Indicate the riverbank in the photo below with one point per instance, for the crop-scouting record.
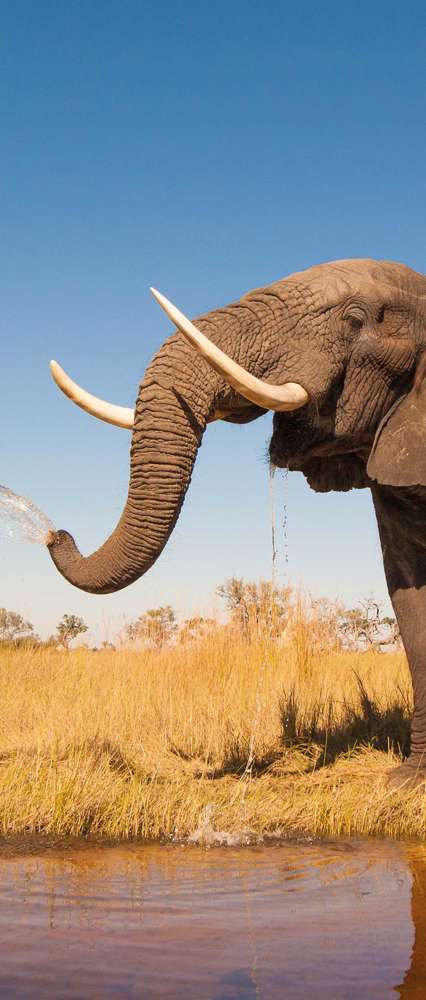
(222, 741)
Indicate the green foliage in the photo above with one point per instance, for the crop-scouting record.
(266, 609)
(264, 606)
(15, 629)
(256, 610)
(366, 627)
(155, 627)
(195, 628)
(69, 628)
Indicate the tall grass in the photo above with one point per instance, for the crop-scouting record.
(260, 737)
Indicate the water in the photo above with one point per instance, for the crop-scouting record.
(272, 519)
(285, 482)
(21, 520)
(284, 526)
(344, 921)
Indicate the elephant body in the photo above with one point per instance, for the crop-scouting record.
(351, 335)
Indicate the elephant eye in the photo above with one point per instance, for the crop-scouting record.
(355, 318)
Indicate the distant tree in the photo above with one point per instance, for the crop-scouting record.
(394, 637)
(155, 627)
(69, 628)
(192, 629)
(366, 627)
(314, 625)
(14, 628)
(263, 606)
(51, 642)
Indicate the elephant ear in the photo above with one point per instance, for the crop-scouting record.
(398, 455)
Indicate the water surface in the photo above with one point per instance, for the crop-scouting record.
(296, 921)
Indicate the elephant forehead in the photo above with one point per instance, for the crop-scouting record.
(333, 283)
(324, 286)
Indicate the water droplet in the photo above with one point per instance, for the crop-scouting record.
(21, 520)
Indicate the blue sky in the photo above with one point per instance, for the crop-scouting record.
(204, 149)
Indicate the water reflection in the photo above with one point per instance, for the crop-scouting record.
(287, 921)
(414, 984)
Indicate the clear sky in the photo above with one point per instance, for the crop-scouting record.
(205, 149)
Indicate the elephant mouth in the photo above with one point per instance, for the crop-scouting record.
(339, 472)
(333, 448)
(327, 463)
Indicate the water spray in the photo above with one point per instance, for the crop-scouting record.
(22, 521)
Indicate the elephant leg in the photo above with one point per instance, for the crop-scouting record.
(402, 528)
(409, 604)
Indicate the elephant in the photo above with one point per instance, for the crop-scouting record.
(338, 352)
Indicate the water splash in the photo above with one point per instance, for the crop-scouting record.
(206, 834)
(21, 520)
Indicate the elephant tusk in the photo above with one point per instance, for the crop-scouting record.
(289, 396)
(121, 416)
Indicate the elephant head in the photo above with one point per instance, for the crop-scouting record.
(330, 350)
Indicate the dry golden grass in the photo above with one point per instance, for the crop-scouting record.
(259, 737)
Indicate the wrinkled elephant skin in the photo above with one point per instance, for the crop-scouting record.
(352, 336)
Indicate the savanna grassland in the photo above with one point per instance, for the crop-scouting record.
(238, 734)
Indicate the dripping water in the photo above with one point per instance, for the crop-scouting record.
(283, 525)
(272, 516)
(21, 520)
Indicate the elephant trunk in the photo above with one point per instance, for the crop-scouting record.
(170, 417)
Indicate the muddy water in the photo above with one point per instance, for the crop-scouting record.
(295, 921)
